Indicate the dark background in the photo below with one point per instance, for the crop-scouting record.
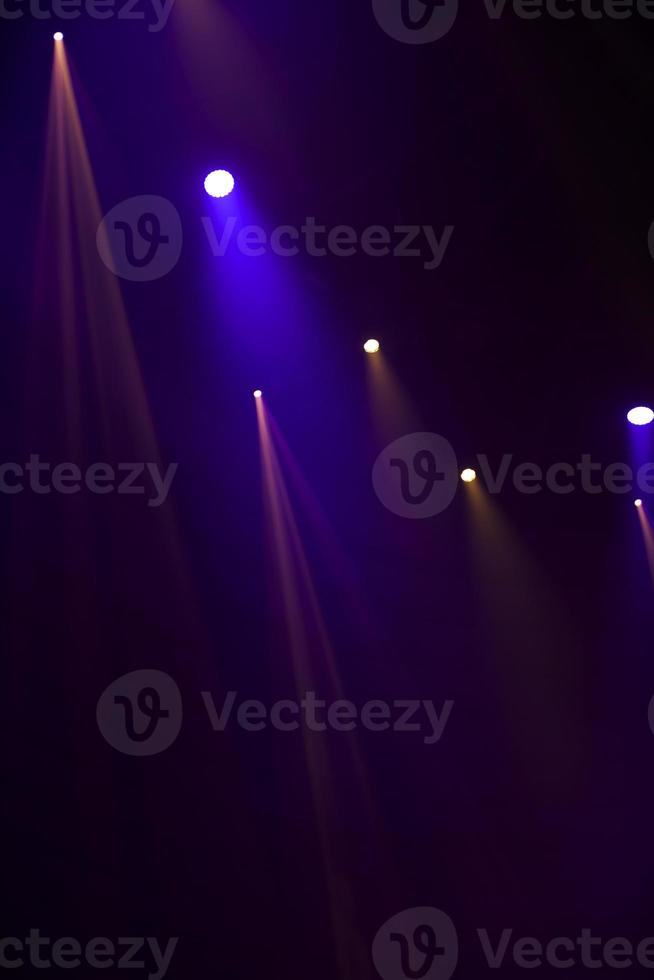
(533, 138)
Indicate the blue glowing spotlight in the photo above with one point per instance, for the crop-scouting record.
(640, 416)
(219, 183)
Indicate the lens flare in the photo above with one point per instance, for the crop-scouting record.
(219, 183)
(642, 415)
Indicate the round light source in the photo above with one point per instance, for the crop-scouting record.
(58, 36)
(258, 393)
(219, 183)
(638, 503)
(468, 476)
(371, 346)
(641, 415)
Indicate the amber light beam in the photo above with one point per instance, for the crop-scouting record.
(314, 668)
(528, 635)
(82, 359)
(392, 411)
(648, 536)
(83, 296)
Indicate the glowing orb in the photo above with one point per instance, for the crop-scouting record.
(640, 416)
(468, 476)
(371, 346)
(219, 183)
(58, 36)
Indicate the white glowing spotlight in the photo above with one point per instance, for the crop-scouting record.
(638, 503)
(642, 415)
(371, 346)
(58, 36)
(219, 183)
(258, 393)
(469, 476)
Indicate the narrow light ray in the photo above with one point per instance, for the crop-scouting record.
(82, 295)
(529, 635)
(315, 751)
(306, 629)
(84, 396)
(648, 538)
(338, 561)
(393, 414)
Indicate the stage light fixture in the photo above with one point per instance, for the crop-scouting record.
(58, 36)
(219, 183)
(638, 503)
(371, 346)
(258, 393)
(469, 476)
(642, 415)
